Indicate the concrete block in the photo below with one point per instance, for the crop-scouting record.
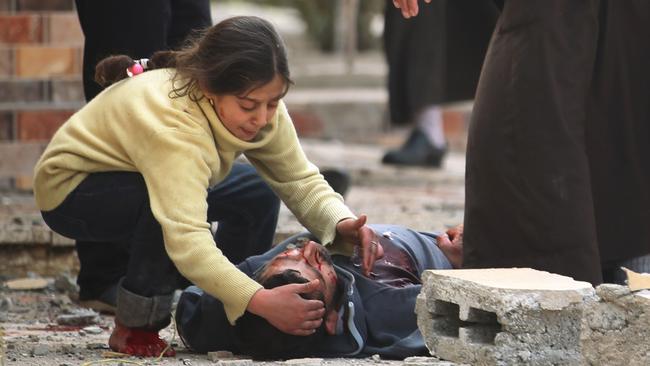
(616, 327)
(506, 316)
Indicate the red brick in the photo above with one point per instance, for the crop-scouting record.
(40, 5)
(6, 126)
(64, 29)
(13, 90)
(21, 28)
(35, 61)
(6, 61)
(40, 125)
(307, 124)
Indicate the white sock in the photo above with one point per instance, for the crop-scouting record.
(429, 121)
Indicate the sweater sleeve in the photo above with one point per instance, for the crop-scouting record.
(298, 182)
(177, 177)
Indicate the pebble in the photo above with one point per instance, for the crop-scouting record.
(79, 317)
(40, 350)
(93, 329)
(220, 355)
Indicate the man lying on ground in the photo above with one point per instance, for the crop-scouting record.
(364, 315)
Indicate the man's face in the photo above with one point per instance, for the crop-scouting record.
(312, 261)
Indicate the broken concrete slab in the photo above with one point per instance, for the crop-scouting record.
(616, 328)
(505, 316)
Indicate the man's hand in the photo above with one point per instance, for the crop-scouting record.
(451, 245)
(284, 308)
(409, 7)
(355, 231)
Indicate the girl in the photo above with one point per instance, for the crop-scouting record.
(135, 165)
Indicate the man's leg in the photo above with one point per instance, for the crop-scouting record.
(187, 16)
(528, 192)
(134, 28)
(247, 213)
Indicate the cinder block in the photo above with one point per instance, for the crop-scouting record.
(616, 327)
(41, 61)
(21, 28)
(21, 91)
(40, 125)
(64, 29)
(509, 316)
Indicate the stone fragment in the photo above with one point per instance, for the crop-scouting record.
(220, 355)
(616, 328)
(27, 284)
(235, 362)
(40, 350)
(79, 317)
(426, 361)
(637, 281)
(304, 361)
(93, 330)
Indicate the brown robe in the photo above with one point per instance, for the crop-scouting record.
(558, 160)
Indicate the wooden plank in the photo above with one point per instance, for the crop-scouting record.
(19, 158)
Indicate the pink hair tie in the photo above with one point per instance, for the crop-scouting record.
(138, 67)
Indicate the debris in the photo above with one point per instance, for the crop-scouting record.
(637, 281)
(304, 361)
(93, 329)
(235, 362)
(27, 283)
(40, 350)
(79, 317)
(220, 355)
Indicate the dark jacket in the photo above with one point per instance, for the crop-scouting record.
(365, 327)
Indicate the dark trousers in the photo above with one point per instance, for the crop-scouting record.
(558, 156)
(117, 235)
(135, 28)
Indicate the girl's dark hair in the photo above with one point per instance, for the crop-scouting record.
(232, 57)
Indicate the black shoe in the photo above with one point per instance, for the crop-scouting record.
(338, 179)
(416, 151)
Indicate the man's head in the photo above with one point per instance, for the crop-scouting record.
(301, 262)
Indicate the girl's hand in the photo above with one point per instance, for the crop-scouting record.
(286, 310)
(355, 231)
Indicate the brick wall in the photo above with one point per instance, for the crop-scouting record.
(41, 47)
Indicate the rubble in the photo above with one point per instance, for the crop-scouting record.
(513, 316)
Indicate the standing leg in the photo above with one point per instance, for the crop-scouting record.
(247, 213)
(528, 193)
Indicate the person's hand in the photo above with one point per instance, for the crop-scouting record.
(409, 7)
(283, 307)
(451, 244)
(355, 231)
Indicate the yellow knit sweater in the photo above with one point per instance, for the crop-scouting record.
(181, 148)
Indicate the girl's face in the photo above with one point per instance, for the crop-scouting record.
(245, 115)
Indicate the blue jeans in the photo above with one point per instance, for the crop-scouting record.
(116, 235)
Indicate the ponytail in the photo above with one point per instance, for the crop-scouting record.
(115, 68)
